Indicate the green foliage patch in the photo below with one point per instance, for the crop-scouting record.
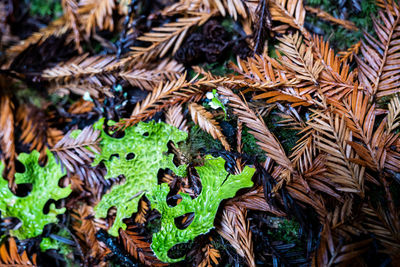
(138, 156)
(217, 185)
(29, 209)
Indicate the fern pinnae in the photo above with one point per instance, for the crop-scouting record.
(80, 150)
(267, 141)
(205, 121)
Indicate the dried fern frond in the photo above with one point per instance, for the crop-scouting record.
(143, 209)
(299, 58)
(57, 27)
(207, 123)
(9, 255)
(260, 73)
(82, 66)
(99, 14)
(393, 121)
(333, 139)
(349, 54)
(169, 94)
(174, 117)
(7, 141)
(36, 131)
(211, 255)
(384, 225)
(290, 12)
(265, 139)
(231, 7)
(99, 71)
(332, 252)
(72, 152)
(236, 229)
(360, 118)
(148, 79)
(326, 16)
(336, 80)
(379, 71)
(138, 247)
(168, 35)
(70, 8)
(255, 200)
(85, 227)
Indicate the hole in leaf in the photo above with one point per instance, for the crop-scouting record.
(112, 211)
(146, 134)
(183, 222)
(130, 156)
(172, 200)
(43, 161)
(179, 250)
(23, 190)
(63, 182)
(114, 156)
(46, 207)
(19, 167)
(194, 181)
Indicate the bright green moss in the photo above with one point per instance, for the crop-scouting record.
(29, 209)
(139, 155)
(217, 185)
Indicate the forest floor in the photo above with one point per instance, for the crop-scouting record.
(199, 133)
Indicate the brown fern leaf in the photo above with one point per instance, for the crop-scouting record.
(304, 152)
(265, 139)
(379, 72)
(390, 4)
(57, 27)
(236, 229)
(255, 200)
(383, 227)
(70, 8)
(72, 152)
(174, 117)
(82, 66)
(261, 73)
(231, 7)
(9, 255)
(349, 54)
(143, 209)
(97, 13)
(137, 246)
(148, 79)
(336, 80)
(333, 139)
(163, 38)
(81, 107)
(317, 180)
(328, 17)
(106, 71)
(205, 120)
(85, 228)
(331, 252)
(393, 118)
(7, 141)
(360, 118)
(211, 255)
(299, 58)
(36, 131)
(290, 12)
(166, 95)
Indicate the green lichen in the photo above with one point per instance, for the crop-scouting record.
(148, 143)
(217, 185)
(29, 209)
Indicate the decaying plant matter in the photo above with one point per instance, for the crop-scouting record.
(205, 132)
